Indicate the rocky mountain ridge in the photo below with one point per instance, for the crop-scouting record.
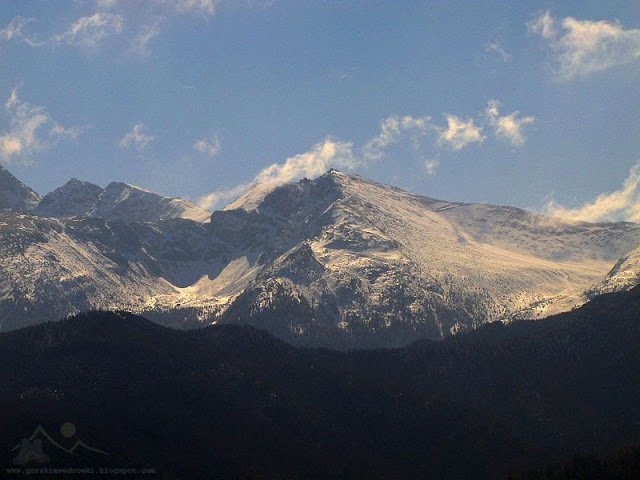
(117, 201)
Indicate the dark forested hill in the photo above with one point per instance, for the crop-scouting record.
(234, 402)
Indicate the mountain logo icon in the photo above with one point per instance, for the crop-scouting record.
(31, 449)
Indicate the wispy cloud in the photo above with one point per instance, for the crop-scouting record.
(430, 166)
(12, 101)
(208, 147)
(138, 23)
(14, 31)
(107, 4)
(156, 16)
(507, 126)
(582, 47)
(91, 30)
(544, 26)
(203, 7)
(142, 25)
(140, 41)
(31, 130)
(222, 197)
(392, 129)
(622, 204)
(497, 49)
(460, 133)
(71, 133)
(136, 138)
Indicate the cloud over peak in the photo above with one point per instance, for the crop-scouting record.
(622, 204)
(582, 47)
(316, 161)
(320, 158)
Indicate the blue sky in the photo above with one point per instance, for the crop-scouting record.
(531, 104)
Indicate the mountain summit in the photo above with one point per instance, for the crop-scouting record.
(14, 193)
(339, 261)
(372, 260)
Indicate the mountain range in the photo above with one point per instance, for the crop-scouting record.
(338, 261)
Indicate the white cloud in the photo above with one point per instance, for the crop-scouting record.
(499, 50)
(392, 129)
(623, 204)
(460, 133)
(583, 47)
(389, 131)
(13, 31)
(9, 145)
(91, 30)
(431, 165)
(136, 138)
(30, 130)
(416, 123)
(507, 126)
(208, 147)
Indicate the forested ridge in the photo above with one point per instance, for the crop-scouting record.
(506, 400)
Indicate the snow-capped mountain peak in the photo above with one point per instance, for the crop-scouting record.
(117, 201)
(14, 193)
